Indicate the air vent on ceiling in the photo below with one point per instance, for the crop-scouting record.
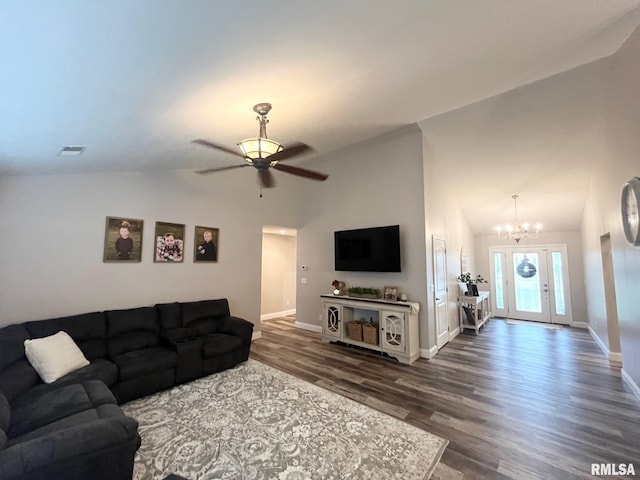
(72, 150)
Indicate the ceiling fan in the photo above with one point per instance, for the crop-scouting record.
(264, 154)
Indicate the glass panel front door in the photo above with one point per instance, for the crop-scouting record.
(530, 293)
(531, 283)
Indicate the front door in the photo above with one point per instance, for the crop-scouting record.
(531, 283)
(529, 295)
(440, 290)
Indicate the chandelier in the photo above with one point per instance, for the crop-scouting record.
(517, 231)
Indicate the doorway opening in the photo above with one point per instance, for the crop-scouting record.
(531, 283)
(613, 334)
(278, 279)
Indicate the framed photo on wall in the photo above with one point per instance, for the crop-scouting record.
(391, 293)
(123, 240)
(169, 242)
(206, 241)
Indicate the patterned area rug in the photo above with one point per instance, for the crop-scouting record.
(257, 422)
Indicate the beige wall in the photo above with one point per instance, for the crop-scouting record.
(55, 227)
(278, 274)
(373, 184)
(619, 162)
(443, 217)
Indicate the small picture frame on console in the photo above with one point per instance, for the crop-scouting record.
(391, 293)
(473, 291)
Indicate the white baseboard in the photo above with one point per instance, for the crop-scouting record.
(428, 352)
(308, 326)
(284, 313)
(454, 333)
(580, 325)
(256, 335)
(634, 386)
(614, 357)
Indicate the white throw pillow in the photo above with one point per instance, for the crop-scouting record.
(55, 356)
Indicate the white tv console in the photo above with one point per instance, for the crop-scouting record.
(397, 324)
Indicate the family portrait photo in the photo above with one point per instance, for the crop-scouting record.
(169, 242)
(206, 241)
(123, 240)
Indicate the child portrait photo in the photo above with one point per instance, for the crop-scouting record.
(123, 240)
(206, 241)
(169, 242)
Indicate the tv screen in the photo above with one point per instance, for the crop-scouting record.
(368, 249)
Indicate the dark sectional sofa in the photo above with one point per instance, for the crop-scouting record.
(73, 428)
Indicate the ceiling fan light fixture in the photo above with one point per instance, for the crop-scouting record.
(253, 148)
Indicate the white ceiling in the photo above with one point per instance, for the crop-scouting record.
(135, 81)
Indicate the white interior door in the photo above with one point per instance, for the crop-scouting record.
(439, 247)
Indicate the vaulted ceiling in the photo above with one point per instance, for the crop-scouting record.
(136, 81)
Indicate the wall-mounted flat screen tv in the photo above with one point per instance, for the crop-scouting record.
(368, 249)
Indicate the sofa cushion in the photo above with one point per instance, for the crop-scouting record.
(16, 375)
(5, 414)
(201, 316)
(56, 404)
(17, 378)
(12, 344)
(99, 369)
(131, 329)
(55, 356)
(102, 449)
(70, 421)
(169, 315)
(88, 330)
(138, 363)
(219, 344)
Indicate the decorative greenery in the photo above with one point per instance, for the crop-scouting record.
(358, 291)
(469, 280)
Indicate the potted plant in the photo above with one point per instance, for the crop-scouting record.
(338, 287)
(471, 281)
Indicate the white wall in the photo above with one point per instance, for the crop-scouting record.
(443, 217)
(620, 161)
(373, 184)
(55, 225)
(278, 274)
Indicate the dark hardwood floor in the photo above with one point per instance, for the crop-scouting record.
(515, 402)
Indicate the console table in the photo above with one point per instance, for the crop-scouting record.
(478, 311)
(396, 324)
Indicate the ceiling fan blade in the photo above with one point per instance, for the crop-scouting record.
(290, 151)
(217, 146)
(211, 170)
(301, 172)
(265, 178)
